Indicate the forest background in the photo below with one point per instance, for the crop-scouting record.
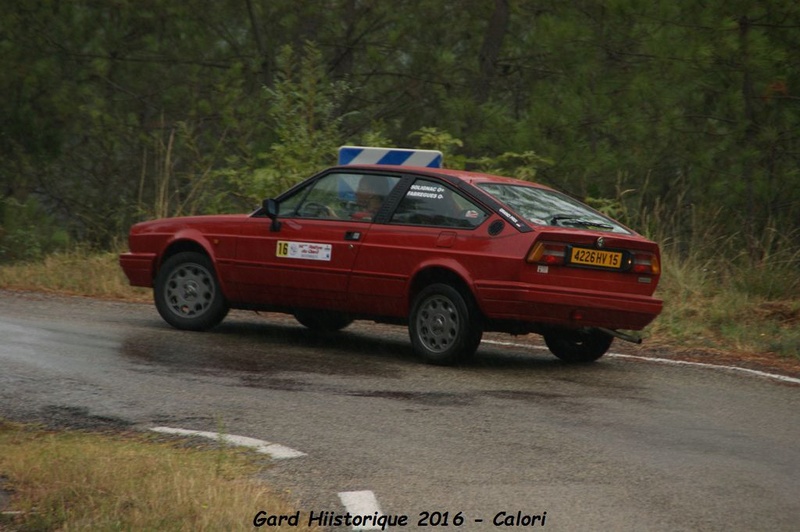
(679, 118)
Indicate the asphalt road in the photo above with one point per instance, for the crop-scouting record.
(618, 445)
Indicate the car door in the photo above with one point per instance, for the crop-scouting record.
(307, 261)
(432, 225)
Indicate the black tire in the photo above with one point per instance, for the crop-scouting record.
(445, 326)
(322, 320)
(578, 346)
(187, 293)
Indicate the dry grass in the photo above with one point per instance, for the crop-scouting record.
(723, 287)
(75, 273)
(721, 306)
(85, 481)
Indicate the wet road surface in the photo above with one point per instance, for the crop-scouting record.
(618, 445)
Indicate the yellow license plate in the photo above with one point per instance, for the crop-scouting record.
(596, 257)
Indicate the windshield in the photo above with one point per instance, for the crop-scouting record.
(548, 207)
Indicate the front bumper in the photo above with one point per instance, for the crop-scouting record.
(138, 268)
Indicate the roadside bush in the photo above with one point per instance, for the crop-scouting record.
(27, 231)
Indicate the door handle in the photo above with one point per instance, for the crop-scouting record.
(352, 235)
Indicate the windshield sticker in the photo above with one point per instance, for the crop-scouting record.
(303, 250)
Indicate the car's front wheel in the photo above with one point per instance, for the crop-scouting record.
(444, 325)
(187, 293)
(578, 346)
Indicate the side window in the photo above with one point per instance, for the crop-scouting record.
(313, 201)
(339, 196)
(370, 194)
(431, 203)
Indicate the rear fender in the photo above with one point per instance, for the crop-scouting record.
(448, 271)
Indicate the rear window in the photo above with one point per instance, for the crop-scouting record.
(548, 207)
(431, 203)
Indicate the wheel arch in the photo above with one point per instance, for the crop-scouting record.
(438, 273)
(196, 243)
(443, 335)
(181, 245)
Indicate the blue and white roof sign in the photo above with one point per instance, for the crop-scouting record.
(396, 156)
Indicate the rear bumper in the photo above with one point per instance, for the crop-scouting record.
(138, 268)
(567, 307)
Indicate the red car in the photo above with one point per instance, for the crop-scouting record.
(448, 253)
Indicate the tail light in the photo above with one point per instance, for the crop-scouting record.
(645, 263)
(547, 253)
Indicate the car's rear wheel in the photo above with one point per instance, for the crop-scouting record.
(444, 325)
(578, 346)
(322, 320)
(187, 293)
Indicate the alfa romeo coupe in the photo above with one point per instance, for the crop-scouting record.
(450, 254)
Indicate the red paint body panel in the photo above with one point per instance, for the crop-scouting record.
(370, 268)
(139, 267)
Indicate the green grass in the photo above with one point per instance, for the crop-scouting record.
(727, 306)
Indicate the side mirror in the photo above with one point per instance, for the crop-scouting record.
(272, 208)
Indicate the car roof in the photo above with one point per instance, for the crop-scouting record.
(449, 174)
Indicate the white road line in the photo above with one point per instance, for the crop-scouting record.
(361, 503)
(275, 450)
(668, 361)
(749, 371)
(514, 344)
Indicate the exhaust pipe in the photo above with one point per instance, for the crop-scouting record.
(621, 335)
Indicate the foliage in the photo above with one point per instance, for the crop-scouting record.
(302, 109)
(119, 111)
(27, 232)
(520, 165)
(431, 138)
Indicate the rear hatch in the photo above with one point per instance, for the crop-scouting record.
(587, 260)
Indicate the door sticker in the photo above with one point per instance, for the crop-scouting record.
(303, 250)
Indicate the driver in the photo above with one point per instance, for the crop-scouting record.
(371, 192)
